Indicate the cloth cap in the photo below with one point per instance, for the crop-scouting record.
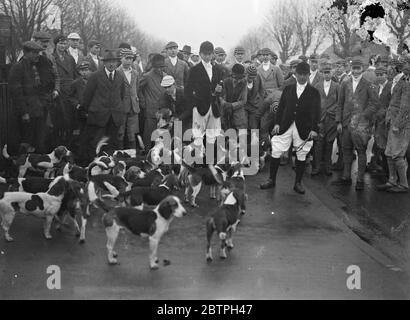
(125, 53)
(60, 38)
(124, 45)
(239, 50)
(251, 71)
(187, 49)
(158, 61)
(206, 47)
(303, 58)
(171, 44)
(326, 67)
(265, 51)
(303, 68)
(83, 65)
(357, 62)
(41, 35)
(32, 46)
(93, 43)
(219, 51)
(380, 70)
(74, 36)
(314, 57)
(167, 81)
(294, 63)
(111, 55)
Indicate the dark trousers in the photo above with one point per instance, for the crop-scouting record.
(350, 142)
(34, 133)
(92, 135)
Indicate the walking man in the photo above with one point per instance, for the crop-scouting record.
(297, 122)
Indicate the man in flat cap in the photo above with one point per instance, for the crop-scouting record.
(254, 98)
(176, 67)
(31, 84)
(323, 146)
(378, 162)
(355, 115)
(271, 77)
(103, 100)
(239, 56)
(150, 93)
(202, 90)
(73, 47)
(130, 104)
(220, 59)
(233, 99)
(76, 103)
(398, 136)
(66, 68)
(297, 123)
(315, 75)
(93, 57)
(292, 79)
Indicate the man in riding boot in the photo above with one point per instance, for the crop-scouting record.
(297, 122)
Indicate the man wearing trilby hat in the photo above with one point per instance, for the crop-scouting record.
(103, 99)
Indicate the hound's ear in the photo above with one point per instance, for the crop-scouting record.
(166, 208)
(230, 200)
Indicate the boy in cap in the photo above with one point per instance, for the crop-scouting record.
(355, 115)
(30, 92)
(74, 44)
(93, 57)
(176, 67)
(150, 93)
(254, 99)
(323, 146)
(292, 78)
(202, 89)
(103, 100)
(233, 99)
(271, 75)
(76, 102)
(398, 137)
(186, 52)
(130, 104)
(194, 59)
(239, 55)
(378, 162)
(296, 123)
(66, 68)
(220, 59)
(315, 75)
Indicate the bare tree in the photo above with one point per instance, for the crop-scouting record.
(283, 33)
(254, 40)
(27, 16)
(339, 19)
(398, 20)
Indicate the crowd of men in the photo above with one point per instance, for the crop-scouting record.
(67, 98)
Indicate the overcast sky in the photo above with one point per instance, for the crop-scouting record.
(222, 22)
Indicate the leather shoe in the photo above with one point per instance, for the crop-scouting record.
(267, 185)
(384, 187)
(359, 185)
(299, 188)
(342, 182)
(398, 189)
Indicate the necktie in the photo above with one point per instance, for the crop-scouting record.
(111, 77)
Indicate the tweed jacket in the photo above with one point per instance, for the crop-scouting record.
(103, 99)
(271, 79)
(131, 100)
(150, 93)
(317, 79)
(384, 99)
(76, 96)
(329, 101)
(179, 71)
(395, 100)
(288, 81)
(363, 103)
(66, 70)
(304, 111)
(402, 121)
(27, 95)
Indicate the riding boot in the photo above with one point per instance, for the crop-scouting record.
(273, 170)
(300, 170)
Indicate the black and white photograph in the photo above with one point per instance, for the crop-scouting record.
(204, 156)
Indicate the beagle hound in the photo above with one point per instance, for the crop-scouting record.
(43, 205)
(149, 223)
(224, 220)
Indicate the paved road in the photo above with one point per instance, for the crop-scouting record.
(287, 247)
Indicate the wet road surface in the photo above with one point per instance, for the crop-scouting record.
(287, 247)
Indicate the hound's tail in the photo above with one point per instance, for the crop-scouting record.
(103, 142)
